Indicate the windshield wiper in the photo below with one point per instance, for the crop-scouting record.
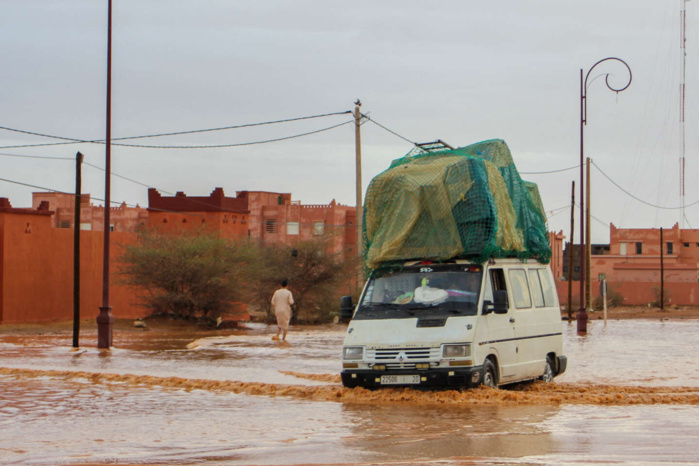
(382, 305)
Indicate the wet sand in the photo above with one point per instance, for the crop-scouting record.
(534, 393)
(179, 394)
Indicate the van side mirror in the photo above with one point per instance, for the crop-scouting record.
(499, 305)
(346, 308)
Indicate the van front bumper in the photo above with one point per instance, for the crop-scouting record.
(445, 378)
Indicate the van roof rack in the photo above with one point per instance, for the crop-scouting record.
(434, 145)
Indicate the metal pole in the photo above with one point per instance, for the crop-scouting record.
(588, 244)
(358, 174)
(662, 273)
(76, 251)
(581, 315)
(105, 319)
(570, 253)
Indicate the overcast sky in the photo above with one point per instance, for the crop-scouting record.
(461, 71)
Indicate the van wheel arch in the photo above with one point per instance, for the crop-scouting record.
(550, 369)
(491, 374)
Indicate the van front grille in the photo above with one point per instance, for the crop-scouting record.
(402, 358)
(432, 322)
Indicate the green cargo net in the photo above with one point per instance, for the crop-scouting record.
(439, 204)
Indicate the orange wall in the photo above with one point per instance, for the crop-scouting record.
(37, 272)
(636, 293)
(224, 224)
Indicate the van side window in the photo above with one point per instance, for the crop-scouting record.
(497, 281)
(520, 289)
(548, 287)
(535, 285)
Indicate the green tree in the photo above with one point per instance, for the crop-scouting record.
(316, 278)
(192, 276)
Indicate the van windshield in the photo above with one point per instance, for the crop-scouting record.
(435, 290)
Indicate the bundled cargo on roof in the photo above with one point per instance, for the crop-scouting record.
(439, 204)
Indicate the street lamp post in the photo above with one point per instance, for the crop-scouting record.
(581, 316)
(105, 319)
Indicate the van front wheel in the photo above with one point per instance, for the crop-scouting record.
(548, 370)
(489, 374)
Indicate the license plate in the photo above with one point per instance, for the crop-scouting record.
(399, 379)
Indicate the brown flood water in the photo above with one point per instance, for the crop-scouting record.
(630, 396)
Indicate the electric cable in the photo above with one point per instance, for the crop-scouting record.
(102, 141)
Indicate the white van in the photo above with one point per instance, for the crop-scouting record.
(454, 325)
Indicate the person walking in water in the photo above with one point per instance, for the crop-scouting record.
(281, 303)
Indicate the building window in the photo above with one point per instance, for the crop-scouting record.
(576, 269)
(270, 225)
(686, 245)
(318, 228)
(639, 248)
(565, 268)
(292, 228)
(622, 249)
(86, 226)
(112, 227)
(64, 224)
(669, 247)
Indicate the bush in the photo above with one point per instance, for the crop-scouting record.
(315, 279)
(667, 296)
(614, 298)
(191, 276)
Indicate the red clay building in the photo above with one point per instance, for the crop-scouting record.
(631, 266)
(36, 269)
(62, 205)
(224, 216)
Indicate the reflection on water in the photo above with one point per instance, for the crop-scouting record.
(630, 396)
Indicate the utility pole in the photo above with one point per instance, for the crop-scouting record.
(358, 175)
(76, 251)
(570, 253)
(105, 319)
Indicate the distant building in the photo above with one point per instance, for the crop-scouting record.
(122, 218)
(631, 265)
(224, 216)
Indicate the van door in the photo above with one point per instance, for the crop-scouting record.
(496, 332)
(528, 312)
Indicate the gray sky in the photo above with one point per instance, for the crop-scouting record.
(460, 71)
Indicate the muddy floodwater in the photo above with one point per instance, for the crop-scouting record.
(630, 396)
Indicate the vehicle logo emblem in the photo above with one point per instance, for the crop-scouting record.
(401, 357)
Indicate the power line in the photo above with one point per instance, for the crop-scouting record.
(37, 157)
(636, 198)
(550, 171)
(217, 146)
(101, 141)
(389, 130)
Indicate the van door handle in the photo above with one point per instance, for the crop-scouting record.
(512, 319)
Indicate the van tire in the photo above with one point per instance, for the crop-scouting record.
(490, 375)
(549, 372)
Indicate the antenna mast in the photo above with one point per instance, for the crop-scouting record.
(683, 41)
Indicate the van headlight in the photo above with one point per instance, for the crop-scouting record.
(456, 351)
(352, 352)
